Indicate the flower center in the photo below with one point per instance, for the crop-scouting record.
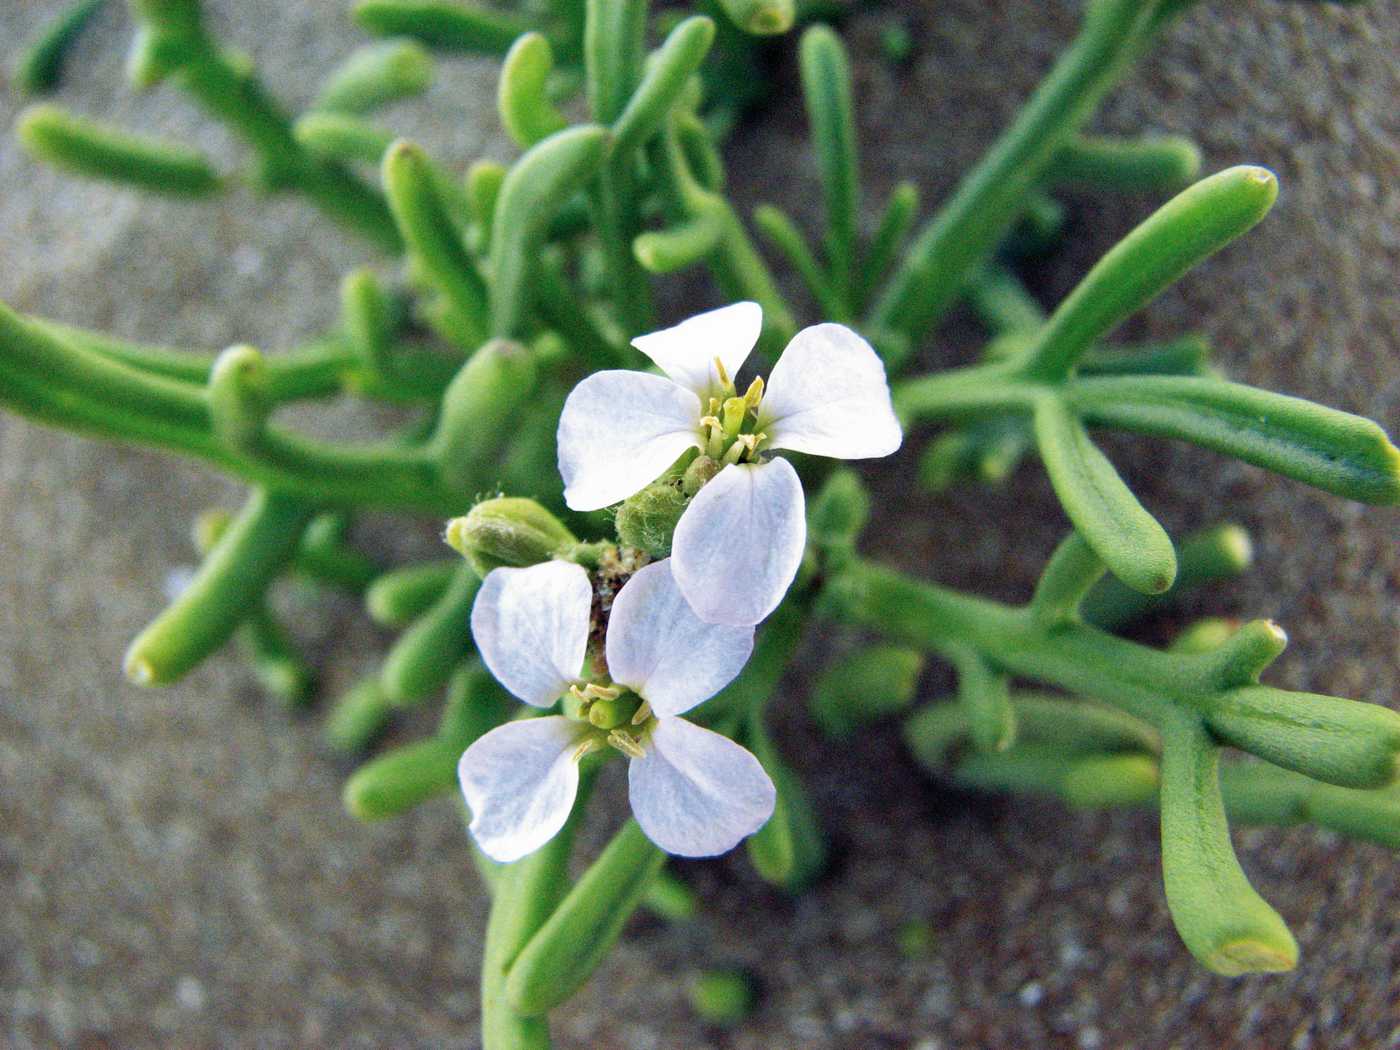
(616, 718)
(729, 429)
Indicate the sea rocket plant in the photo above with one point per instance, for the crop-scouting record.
(739, 543)
(695, 793)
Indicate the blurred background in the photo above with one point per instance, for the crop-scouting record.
(177, 866)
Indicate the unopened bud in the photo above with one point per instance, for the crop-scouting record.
(698, 474)
(647, 520)
(508, 531)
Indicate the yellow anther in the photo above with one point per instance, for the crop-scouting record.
(626, 743)
(734, 409)
(711, 421)
(642, 715)
(594, 691)
(754, 394)
(724, 380)
(586, 748)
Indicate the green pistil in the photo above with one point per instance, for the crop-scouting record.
(729, 426)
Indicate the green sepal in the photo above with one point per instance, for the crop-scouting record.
(508, 531)
(647, 519)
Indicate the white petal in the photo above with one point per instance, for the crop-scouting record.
(738, 545)
(531, 628)
(520, 781)
(687, 351)
(660, 648)
(619, 431)
(696, 793)
(828, 395)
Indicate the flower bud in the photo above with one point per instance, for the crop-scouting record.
(507, 531)
(647, 520)
(698, 474)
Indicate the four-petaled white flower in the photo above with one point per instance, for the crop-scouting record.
(695, 793)
(739, 543)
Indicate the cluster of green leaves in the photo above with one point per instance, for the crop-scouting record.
(517, 280)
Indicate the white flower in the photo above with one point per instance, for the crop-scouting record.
(740, 542)
(694, 792)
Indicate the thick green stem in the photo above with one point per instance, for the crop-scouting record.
(62, 384)
(230, 92)
(989, 199)
(229, 585)
(525, 895)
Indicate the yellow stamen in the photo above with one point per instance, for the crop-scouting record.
(643, 713)
(754, 394)
(626, 743)
(724, 379)
(586, 748)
